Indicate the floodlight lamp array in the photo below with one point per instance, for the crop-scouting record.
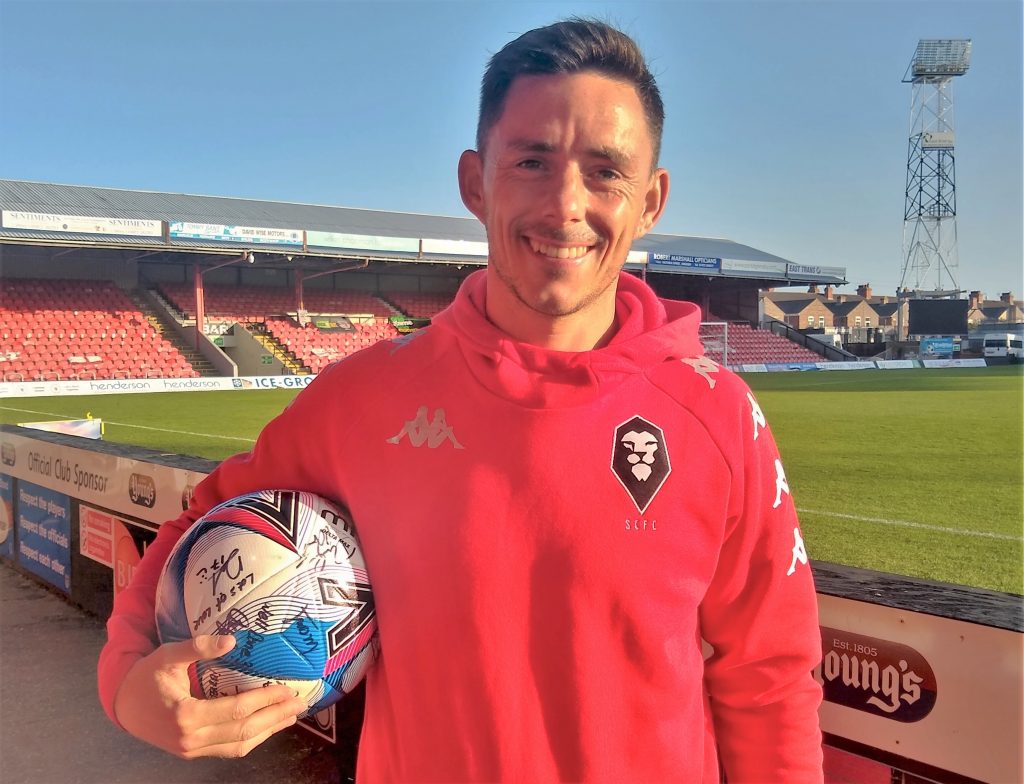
(941, 57)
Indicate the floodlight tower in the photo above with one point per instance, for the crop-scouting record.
(930, 261)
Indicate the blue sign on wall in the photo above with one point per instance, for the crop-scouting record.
(44, 534)
(6, 517)
(936, 348)
(687, 262)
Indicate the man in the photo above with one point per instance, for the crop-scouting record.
(558, 496)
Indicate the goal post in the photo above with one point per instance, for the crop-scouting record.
(715, 337)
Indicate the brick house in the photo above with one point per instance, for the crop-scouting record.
(807, 310)
(983, 313)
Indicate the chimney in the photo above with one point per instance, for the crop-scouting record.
(812, 289)
(1007, 297)
(864, 291)
(829, 292)
(974, 299)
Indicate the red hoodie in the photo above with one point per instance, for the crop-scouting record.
(550, 535)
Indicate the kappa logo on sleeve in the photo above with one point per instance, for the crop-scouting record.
(703, 367)
(757, 415)
(640, 460)
(799, 552)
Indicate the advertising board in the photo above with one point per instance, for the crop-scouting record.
(121, 484)
(81, 224)
(678, 261)
(942, 692)
(6, 516)
(43, 520)
(337, 239)
(245, 235)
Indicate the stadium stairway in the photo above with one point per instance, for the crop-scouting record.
(286, 357)
(161, 323)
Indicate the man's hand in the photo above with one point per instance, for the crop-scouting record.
(155, 704)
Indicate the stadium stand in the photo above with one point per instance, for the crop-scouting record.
(255, 303)
(747, 346)
(316, 349)
(420, 305)
(64, 329)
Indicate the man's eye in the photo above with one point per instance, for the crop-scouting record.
(529, 163)
(608, 174)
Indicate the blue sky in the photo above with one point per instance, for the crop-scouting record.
(786, 128)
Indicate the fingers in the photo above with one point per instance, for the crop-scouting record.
(237, 707)
(239, 748)
(245, 730)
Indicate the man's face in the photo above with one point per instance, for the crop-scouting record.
(565, 184)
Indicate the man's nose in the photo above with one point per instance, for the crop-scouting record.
(566, 201)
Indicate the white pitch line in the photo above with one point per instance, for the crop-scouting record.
(911, 524)
(139, 427)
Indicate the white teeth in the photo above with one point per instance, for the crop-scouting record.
(560, 252)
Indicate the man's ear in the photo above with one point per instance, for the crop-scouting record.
(471, 182)
(654, 202)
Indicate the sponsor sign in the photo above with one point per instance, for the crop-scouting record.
(779, 367)
(895, 364)
(938, 140)
(876, 676)
(334, 239)
(44, 534)
(953, 363)
(636, 257)
(678, 261)
(81, 224)
(846, 365)
(815, 270)
(909, 685)
(123, 386)
(246, 235)
(96, 535)
(120, 484)
(936, 348)
(6, 516)
(142, 490)
(83, 428)
(756, 367)
(271, 382)
(455, 248)
(754, 267)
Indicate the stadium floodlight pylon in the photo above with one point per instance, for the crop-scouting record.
(930, 259)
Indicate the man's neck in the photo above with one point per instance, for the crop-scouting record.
(589, 328)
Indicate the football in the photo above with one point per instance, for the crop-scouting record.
(283, 572)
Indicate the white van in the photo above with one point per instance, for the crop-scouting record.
(1004, 345)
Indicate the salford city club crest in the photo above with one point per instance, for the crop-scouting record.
(640, 460)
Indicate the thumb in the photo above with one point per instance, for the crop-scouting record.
(205, 646)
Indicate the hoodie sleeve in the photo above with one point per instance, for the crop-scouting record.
(760, 616)
(284, 456)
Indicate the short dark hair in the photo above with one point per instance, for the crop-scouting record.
(566, 47)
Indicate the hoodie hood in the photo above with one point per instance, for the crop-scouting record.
(650, 332)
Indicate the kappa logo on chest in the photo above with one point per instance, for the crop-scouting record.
(640, 460)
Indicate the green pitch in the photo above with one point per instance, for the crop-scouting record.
(917, 472)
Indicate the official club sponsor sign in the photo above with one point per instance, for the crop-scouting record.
(120, 484)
